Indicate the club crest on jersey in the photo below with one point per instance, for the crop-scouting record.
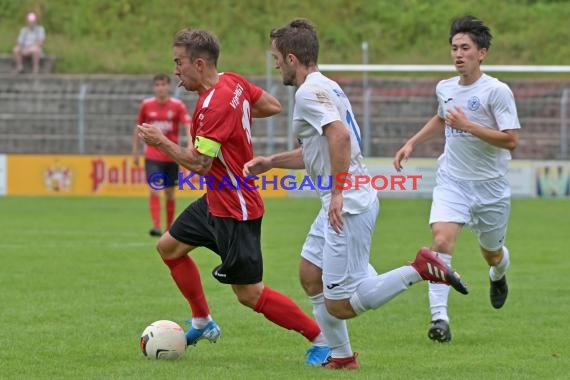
(473, 103)
(169, 114)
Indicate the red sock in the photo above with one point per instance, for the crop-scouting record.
(170, 208)
(282, 311)
(187, 277)
(154, 206)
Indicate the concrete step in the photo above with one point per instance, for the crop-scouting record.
(7, 64)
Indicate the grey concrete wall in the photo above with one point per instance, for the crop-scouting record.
(39, 114)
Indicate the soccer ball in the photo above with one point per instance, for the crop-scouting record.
(163, 340)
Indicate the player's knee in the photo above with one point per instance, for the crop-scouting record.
(164, 249)
(247, 295)
(311, 287)
(442, 243)
(169, 193)
(310, 277)
(246, 300)
(340, 313)
(339, 309)
(493, 258)
(161, 249)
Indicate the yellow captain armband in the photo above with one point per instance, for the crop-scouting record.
(207, 147)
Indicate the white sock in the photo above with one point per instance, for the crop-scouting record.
(200, 323)
(438, 294)
(375, 291)
(320, 341)
(497, 272)
(334, 329)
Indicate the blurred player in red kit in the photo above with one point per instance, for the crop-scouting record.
(166, 114)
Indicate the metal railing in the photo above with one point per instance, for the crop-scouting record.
(88, 118)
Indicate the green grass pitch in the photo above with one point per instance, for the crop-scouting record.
(80, 280)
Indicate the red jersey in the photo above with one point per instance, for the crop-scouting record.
(222, 114)
(167, 116)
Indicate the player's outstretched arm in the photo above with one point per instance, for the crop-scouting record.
(433, 128)
(292, 159)
(267, 105)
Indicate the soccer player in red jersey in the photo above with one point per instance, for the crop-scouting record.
(166, 114)
(227, 219)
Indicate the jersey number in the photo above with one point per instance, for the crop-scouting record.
(245, 120)
(350, 121)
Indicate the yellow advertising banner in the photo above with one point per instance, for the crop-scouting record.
(96, 175)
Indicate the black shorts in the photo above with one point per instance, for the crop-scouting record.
(238, 243)
(169, 168)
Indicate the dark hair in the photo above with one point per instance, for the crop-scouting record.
(199, 44)
(163, 77)
(479, 32)
(298, 38)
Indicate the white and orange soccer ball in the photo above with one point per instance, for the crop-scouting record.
(163, 340)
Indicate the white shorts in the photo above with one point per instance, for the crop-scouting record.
(343, 257)
(484, 206)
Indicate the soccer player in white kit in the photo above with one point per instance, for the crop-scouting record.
(478, 115)
(334, 267)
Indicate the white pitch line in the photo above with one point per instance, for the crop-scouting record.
(76, 244)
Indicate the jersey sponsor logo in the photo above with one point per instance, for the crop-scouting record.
(473, 103)
(453, 132)
(164, 125)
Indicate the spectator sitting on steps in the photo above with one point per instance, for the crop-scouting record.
(30, 41)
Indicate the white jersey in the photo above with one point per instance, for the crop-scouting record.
(489, 103)
(318, 102)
